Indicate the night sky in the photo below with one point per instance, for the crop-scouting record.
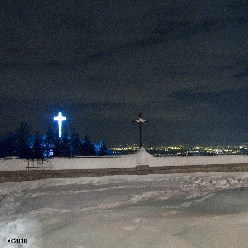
(183, 64)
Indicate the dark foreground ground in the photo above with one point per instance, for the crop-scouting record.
(37, 174)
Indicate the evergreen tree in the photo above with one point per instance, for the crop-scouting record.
(65, 149)
(49, 141)
(2, 148)
(38, 150)
(20, 143)
(88, 148)
(9, 146)
(103, 148)
(57, 147)
(76, 144)
(23, 135)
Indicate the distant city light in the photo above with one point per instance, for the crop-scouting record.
(60, 118)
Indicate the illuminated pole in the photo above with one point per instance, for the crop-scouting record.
(60, 118)
(140, 121)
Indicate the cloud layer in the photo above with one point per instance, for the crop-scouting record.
(181, 63)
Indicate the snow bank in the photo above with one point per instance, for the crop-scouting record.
(126, 161)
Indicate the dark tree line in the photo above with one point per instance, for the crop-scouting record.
(23, 144)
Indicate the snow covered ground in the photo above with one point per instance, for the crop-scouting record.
(176, 210)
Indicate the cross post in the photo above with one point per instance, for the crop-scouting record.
(59, 118)
(140, 121)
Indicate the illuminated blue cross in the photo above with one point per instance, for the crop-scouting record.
(59, 118)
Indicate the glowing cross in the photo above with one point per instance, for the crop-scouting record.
(60, 118)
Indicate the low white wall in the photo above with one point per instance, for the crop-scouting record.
(198, 160)
(57, 163)
(13, 164)
(126, 161)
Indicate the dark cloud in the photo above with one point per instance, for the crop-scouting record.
(183, 64)
(217, 114)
